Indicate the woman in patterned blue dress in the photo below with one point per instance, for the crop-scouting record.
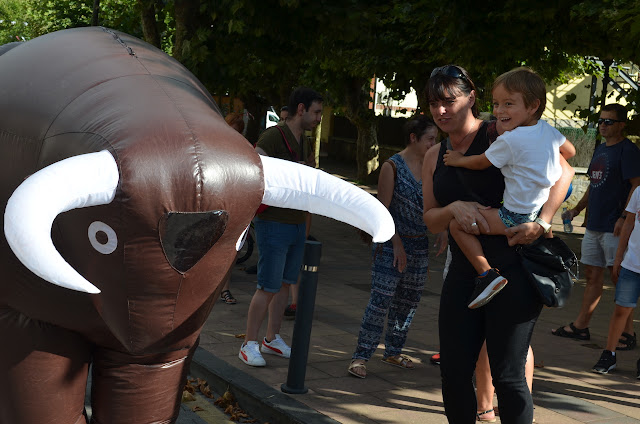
(400, 265)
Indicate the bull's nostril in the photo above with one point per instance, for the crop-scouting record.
(187, 237)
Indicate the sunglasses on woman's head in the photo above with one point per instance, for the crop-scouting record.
(450, 71)
(608, 121)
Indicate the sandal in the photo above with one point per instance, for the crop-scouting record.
(575, 333)
(628, 341)
(228, 298)
(486, 420)
(355, 366)
(399, 361)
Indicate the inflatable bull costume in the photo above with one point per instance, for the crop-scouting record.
(125, 195)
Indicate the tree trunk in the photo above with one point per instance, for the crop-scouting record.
(358, 96)
(96, 12)
(149, 24)
(185, 14)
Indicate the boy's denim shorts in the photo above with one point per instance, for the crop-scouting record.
(627, 288)
(513, 219)
(281, 250)
(598, 248)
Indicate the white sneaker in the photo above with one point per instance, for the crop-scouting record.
(250, 354)
(277, 346)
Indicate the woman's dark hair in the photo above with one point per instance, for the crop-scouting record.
(418, 126)
(447, 82)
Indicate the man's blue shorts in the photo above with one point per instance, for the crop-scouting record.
(281, 250)
(627, 288)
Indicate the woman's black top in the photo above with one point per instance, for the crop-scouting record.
(485, 187)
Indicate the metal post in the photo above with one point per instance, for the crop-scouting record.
(304, 319)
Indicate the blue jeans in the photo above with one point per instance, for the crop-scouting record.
(281, 248)
(628, 288)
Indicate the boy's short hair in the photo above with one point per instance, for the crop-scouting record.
(525, 81)
(620, 111)
(303, 95)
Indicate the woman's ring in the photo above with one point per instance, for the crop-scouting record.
(473, 224)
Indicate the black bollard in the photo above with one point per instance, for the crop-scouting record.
(304, 319)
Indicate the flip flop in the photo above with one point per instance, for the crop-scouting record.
(354, 366)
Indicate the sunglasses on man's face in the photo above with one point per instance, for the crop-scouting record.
(450, 71)
(608, 122)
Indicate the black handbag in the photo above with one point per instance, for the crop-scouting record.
(549, 262)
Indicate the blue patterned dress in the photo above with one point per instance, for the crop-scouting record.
(395, 295)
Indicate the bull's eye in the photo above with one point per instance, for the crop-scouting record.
(102, 237)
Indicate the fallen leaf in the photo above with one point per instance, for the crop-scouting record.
(241, 336)
(196, 409)
(187, 397)
(228, 396)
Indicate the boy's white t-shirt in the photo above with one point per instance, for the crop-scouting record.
(529, 159)
(631, 259)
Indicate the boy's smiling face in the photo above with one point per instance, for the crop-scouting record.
(511, 111)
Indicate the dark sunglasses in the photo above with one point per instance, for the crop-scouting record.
(450, 71)
(608, 121)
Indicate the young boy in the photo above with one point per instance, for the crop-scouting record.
(626, 276)
(527, 155)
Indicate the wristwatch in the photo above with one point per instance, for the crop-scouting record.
(545, 226)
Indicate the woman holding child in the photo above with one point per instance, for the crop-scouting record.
(457, 193)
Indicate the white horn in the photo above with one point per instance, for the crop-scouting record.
(294, 186)
(77, 182)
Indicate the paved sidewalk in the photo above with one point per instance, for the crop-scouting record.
(565, 391)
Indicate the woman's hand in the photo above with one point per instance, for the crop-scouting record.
(467, 215)
(399, 255)
(524, 233)
(442, 240)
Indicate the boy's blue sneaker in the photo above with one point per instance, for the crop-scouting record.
(487, 286)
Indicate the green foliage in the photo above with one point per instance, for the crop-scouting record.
(259, 50)
(13, 21)
(47, 16)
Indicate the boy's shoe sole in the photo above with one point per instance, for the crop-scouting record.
(488, 293)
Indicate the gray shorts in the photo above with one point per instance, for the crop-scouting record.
(598, 249)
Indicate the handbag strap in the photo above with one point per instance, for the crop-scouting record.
(294, 155)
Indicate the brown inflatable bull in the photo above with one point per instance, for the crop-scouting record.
(125, 197)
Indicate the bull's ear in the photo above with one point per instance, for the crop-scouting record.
(187, 237)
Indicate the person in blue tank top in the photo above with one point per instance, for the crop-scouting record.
(400, 265)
